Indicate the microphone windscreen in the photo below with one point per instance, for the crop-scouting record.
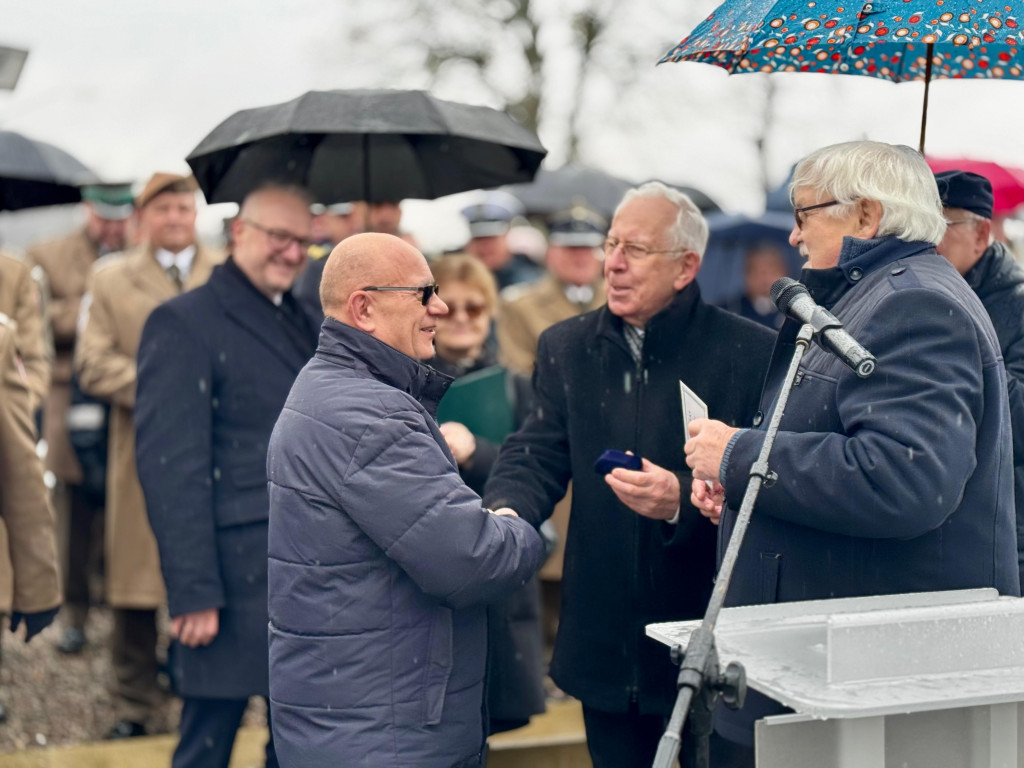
(784, 291)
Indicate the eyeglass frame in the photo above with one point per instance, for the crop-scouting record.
(609, 244)
(428, 291)
(798, 211)
(278, 235)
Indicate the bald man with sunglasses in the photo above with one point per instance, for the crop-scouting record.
(382, 560)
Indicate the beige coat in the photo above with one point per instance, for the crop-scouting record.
(29, 576)
(22, 300)
(123, 290)
(522, 319)
(66, 262)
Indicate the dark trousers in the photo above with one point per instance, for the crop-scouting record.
(622, 739)
(84, 553)
(208, 728)
(133, 652)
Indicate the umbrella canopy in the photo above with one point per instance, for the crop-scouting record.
(34, 173)
(731, 237)
(559, 189)
(1007, 182)
(369, 145)
(895, 41)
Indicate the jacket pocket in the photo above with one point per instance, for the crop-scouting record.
(768, 578)
(439, 665)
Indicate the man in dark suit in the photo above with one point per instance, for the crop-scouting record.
(215, 367)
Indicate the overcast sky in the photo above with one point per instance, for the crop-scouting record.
(130, 86)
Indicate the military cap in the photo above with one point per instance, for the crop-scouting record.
(161, 182)
(112, 202)
(963, 189)
(492, 214)
(579, 226)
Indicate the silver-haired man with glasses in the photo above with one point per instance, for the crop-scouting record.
(637, 551)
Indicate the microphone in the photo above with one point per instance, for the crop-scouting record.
(794, 300)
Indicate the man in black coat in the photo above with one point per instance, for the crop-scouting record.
(215, 367)
(637, 552)
(994, 274)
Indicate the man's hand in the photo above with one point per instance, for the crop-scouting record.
(708, 500)
(706, 447)
(196, 629)
(651, 491)
(504, 511)
(460, 441)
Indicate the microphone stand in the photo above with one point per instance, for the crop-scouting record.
(701, 681)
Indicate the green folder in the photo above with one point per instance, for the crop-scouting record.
(480, 400)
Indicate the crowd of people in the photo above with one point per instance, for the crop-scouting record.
(257, 436)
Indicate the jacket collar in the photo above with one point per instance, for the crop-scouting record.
(995, 270)
(681, 308)
(345, 345)
(857, 258)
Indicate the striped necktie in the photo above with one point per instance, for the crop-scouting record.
(635, 340)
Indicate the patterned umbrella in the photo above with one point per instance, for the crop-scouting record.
(895, 40)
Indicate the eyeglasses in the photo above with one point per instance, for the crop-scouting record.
(428, 291)
(280, 239)
(632, 251)
(798, 211)
(473, 311)
(953, 223)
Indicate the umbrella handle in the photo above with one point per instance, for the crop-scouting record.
(929, 51)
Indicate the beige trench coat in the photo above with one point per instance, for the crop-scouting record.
(66, 262)
(123, 290)
(533, 310)
(21, 299)
(29, 576)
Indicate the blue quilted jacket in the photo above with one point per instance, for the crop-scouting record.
(381, 563)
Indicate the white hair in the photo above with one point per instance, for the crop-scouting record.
(690, 230)
(895, 175)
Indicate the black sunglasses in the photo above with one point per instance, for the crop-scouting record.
(427, 291)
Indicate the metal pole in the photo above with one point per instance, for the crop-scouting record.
(700, 652)
(930, 50)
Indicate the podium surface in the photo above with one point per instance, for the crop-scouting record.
(930, 679)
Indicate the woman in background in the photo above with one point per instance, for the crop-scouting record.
(515, 665)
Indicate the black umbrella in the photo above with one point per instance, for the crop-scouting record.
(34, 173)
(563, 187)
(365, 145)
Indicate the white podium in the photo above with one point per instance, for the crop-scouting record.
(924, 680)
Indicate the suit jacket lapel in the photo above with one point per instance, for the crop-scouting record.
(257, 317)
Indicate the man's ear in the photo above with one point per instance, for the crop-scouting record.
(362, 311)
(982, 234)
(869, 217)
(688, 267)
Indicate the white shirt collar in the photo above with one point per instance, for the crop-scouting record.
(182, 259)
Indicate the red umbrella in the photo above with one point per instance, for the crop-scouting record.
(1007, 182)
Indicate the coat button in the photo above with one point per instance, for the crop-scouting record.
(856, 274)
(898, 270)
(758, 418)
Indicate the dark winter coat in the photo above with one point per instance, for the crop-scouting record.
(623, 571)
(998, 280)
(515, 655)
(381, 563)
(901, 482)
(215, 367)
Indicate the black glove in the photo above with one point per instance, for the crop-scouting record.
(34, 622)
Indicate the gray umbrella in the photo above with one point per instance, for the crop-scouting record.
(34, 173)
(365, 145)
(563, 187)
